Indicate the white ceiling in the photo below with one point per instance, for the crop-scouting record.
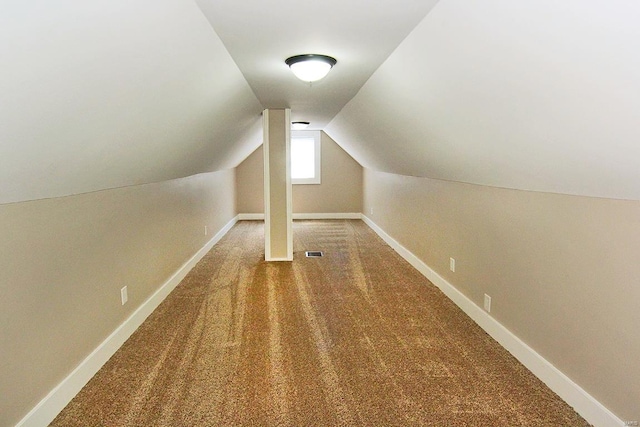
(112, 93)
(535, 95)
(360, 34)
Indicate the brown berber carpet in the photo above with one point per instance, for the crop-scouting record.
(355, 338)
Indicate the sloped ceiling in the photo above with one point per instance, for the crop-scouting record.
(105, 94)
(536, 95)
(360, 34)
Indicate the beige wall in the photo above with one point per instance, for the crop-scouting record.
(562, 271)
(64, 260)
(340, 191)
(250, 183)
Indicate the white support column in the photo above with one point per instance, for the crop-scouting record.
(278, 209)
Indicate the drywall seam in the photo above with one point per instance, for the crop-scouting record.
(49, 407)
(585, 404)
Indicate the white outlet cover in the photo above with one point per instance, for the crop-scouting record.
(487, 303)
(452, 264)
(124, 297)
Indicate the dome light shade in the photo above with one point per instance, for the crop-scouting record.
(310, 67)
(299, 125)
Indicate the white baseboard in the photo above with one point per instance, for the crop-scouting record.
(279, 260)
(251, 217)
(347, 215)
(49, 407)
(585, 404)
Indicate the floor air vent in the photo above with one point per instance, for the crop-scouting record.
(313, 254)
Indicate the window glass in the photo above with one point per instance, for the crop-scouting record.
(305, 157)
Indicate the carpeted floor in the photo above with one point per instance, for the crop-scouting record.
(357, 337)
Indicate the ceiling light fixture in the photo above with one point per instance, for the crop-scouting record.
(310, 67)
(299, 125)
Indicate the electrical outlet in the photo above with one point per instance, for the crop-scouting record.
(371, 211)
(123, 295)
(487, 303)
(206, 231)
(452, 264)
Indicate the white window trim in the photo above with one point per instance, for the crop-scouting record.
(318, 150)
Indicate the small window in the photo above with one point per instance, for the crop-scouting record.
(305, 157)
